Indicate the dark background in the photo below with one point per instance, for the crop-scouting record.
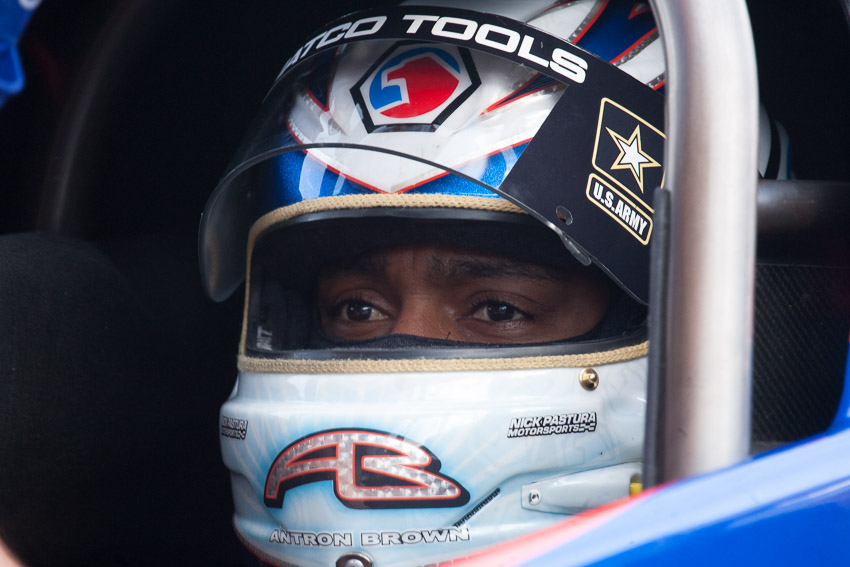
(108, 438)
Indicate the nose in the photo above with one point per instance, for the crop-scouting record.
(424, 316)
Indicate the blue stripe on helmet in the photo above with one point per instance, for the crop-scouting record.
(296, 177)
(618, 27)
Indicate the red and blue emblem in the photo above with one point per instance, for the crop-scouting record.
(415, 87)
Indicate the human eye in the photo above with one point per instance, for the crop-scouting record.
(498, 311)
(356, 310)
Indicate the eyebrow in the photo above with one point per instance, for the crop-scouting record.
(472, 268)
(455, 268)
(365, 264)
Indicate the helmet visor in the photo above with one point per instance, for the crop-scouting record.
(385, 107)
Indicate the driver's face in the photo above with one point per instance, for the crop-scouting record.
(450, 293)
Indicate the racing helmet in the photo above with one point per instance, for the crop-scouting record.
(530, 130)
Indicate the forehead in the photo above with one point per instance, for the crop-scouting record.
(441, 261)
(295, 254)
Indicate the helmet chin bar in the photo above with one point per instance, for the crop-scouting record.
(311, 455)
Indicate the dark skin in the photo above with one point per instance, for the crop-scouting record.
(450, 293)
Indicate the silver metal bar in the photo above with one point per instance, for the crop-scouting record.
(712, 135)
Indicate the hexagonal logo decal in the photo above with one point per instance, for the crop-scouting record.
(415, 87)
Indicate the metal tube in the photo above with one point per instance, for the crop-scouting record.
(712, 135)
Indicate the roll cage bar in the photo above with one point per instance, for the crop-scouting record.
(703, 257)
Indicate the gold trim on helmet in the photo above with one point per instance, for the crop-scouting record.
(362, 366)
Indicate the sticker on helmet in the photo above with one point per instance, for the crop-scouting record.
(369, 469)
(624, 211)
(490, 33)
(312, 539)
(442, 535)
(627, 153)
(552, 424)
(368, 539)
(415, 87)
(234, 428)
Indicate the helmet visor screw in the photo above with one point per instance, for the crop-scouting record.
(534, 497)
(564, 215)
(354, 560)
(588, 379)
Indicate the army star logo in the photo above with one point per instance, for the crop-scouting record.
(626, 168)
(632, 155)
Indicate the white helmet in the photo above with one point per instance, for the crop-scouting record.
(533, 130)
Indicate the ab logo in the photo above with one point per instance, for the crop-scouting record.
(368, 469)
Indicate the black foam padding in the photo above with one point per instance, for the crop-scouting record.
(77, 368)
(802, 320)
(108, 443)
